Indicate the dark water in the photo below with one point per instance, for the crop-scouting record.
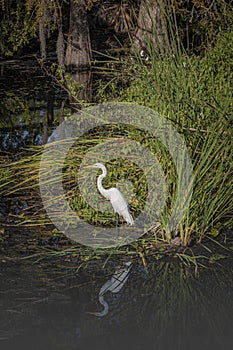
(45, 306)
(30, 105)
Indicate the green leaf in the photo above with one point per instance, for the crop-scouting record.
(217, 257)
(214, 232)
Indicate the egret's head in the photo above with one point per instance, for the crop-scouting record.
(98, 165)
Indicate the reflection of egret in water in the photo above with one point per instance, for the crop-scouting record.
(114, 285)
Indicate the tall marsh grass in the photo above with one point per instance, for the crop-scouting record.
(195, 93)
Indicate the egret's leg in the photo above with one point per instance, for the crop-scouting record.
(117, 224)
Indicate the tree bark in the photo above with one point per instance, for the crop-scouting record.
(151, 31)
(78, 51)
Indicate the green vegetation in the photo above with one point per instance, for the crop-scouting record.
(195, 94)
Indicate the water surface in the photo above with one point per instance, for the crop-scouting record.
(45, 305)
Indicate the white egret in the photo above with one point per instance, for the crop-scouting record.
(114, 285)
(118, 201)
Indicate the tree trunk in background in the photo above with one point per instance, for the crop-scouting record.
(78, 51)
(84, 78)
(45, 129)
(151, 30)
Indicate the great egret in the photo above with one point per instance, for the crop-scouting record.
(118, 201)
(114, 285)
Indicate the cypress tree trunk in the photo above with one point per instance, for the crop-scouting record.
(78, 51)
(151, 29)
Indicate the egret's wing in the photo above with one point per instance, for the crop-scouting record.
(117, 199)
(117, 281)
(120, 205)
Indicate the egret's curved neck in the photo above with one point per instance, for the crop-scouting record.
(105, 304)
(99, 182)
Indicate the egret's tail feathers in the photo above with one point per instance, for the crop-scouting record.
(129, 219)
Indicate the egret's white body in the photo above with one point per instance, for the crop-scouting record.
(116, 198)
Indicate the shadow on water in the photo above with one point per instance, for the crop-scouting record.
(47, 305)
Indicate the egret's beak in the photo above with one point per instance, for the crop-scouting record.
(98, 314)
(88, 166)
(92, 313)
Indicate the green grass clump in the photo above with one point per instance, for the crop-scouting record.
(195, 93)
(191, 91)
